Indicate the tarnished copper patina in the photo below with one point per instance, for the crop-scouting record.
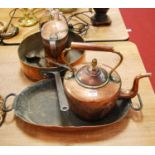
(32, 46)
(94, 88)
(54, 35)
(94, 94)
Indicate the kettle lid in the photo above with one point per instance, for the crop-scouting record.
(92, 76)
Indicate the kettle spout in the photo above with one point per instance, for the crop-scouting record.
(134, 90)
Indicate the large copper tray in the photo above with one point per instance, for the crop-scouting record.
(38, 105)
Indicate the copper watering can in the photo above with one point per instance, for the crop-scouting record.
(54, 34)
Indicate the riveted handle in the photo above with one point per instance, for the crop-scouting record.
(53, 47)
(2, 113)
(95, 47)
(5, 109)
(140, 104)
(63, 102)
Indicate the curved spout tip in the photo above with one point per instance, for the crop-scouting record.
(146, 75)
(133, 92)
(143, 76)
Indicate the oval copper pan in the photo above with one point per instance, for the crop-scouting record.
(38, 106)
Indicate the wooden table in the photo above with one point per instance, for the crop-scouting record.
(137, 128)
(116, 31)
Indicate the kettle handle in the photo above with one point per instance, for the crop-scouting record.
(95, 47)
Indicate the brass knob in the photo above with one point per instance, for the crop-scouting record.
(94, 63)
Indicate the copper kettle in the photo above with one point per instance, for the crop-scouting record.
(93, 89)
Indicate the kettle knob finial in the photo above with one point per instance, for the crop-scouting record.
(94, 63)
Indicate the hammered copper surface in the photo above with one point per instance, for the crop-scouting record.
(92, 104)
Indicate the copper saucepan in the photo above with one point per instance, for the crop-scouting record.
(32, 45)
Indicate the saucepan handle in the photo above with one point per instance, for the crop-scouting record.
(5, 109)
(63, 102)
(95, 47)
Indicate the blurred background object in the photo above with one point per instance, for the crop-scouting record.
(28, 18)
(100, 17)
(67, 10)
(7, 29)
